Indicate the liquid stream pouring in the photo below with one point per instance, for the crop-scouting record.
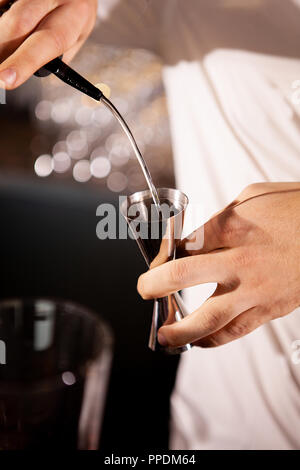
(165, 221)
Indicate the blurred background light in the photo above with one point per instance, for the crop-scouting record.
(101, 117)
(68, 378)
(60, 146)
(92, 133)
(43, 165)
(117, 182)
(105, 89)
(78, 128)
(112, 140)
(61, 162)
(76, 141)
(43, 110)
(61, 110)
(121, 104)
(82, 171)
(100, 167)
(83, 116)
(98, 152)
(119, 155)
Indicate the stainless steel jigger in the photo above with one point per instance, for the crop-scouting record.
(157, 234)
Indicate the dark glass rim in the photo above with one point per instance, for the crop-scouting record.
(55, 381)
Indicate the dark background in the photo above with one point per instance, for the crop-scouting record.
(49, 248)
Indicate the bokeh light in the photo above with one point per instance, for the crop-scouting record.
(77, 144)
(83, 116)
(104, 88)
(101, 117)
(82, 171)
(85, 130)
(61, 162)
(100, 167)
(119, 155)
(68, 378)
(43, 165)
(43, 110)
(61, 110)
(117, 182)
(60, 146)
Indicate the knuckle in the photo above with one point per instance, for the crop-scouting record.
(232, 229)
(227, 226)
(211, 319)
(172, 336)
(229, 284)
(241, 258)
(178, 271)
(59, 39)
(252, 190)
(142, 288)
(237, 329)
(23, 23)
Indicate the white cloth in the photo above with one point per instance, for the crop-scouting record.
(229, 71)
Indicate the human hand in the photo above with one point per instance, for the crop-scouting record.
(252, 250)
(33, 32)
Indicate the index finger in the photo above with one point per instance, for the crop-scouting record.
(53, 37)
(185, 272)
(20, 20)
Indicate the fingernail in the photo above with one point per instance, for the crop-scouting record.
(162, 340)
(8, 76)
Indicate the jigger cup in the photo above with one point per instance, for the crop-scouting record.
(158, 233)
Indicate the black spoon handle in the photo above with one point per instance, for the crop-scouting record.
(72, 78)
(62, 70)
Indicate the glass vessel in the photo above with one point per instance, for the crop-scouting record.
(54, 367)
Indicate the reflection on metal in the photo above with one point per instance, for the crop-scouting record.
(2, 93)
(2, 352)
(157, 238)
(43, 325)
(95, 390)
(135, 148)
